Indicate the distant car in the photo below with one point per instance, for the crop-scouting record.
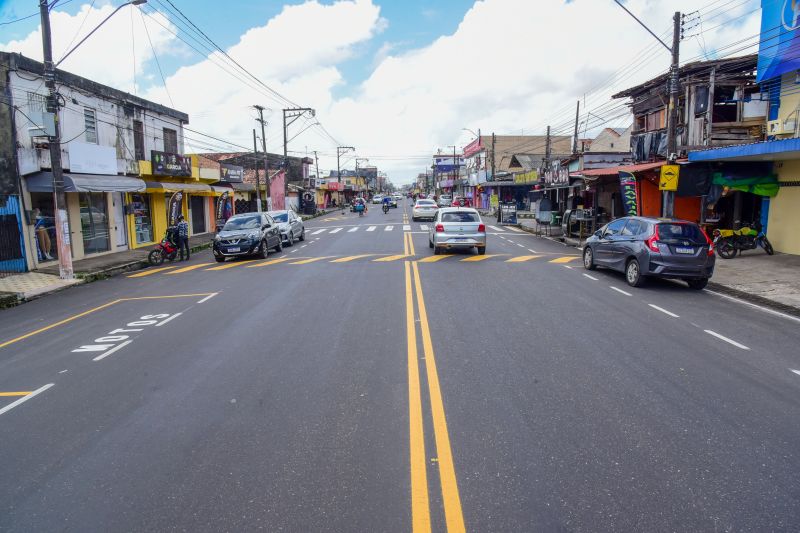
(457, 227)
(247, 234)
(643, 247)
(459, 201)
(290, 225)
(445, 200)
(377, 199)
(392, 201)
(424, 209)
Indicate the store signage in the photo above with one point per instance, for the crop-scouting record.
(669, 178)
(175, 207)
(780, 37)
(86, 158)
(556, 176)
(526, 177)
(473, 148)
(231, 173)
(167, 164)
(627, 187)
(334, 186)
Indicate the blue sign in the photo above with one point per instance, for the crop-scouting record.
(779, 50)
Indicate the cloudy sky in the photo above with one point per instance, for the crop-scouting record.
(397, 79)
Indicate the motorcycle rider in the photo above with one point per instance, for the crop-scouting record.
(386, 201)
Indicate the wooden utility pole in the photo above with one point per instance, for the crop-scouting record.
(260, 119)
(575, 139)
(668, 197)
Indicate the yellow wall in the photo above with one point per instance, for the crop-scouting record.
(790, 100)
(784, 217)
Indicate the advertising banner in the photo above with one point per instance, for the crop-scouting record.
(779, 48)
(174, 208)
(231, 173)
(224, 209)
(167, 164)
(627, 187)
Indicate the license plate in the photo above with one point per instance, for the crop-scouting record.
(682, 250)
(461, 239)
(234, 249)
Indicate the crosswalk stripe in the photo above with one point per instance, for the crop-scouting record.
(495, 228)
(271, 262)
(433, 258)
(423, 227)
(565, 259)
(388, 228)
(512, 228)
(354, 228)
(522, 258)
(187, 269)
(371, 228)
(233, 264)
(406, 227)
(150, 271)
(337, 230)
(312, 260)
(476, 258)
(318, 231)
(391, 258)
(351, 258)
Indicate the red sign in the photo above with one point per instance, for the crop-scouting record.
(334, 186)
(473, 147)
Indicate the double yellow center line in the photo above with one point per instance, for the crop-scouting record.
(408, 245)
(420, 503)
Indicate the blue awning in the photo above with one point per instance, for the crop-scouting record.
(760, 151)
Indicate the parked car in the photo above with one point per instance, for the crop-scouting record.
(643, 247)
(424, 209)
(457, 227)
(290, 225)
(445, 200)
(247, 234)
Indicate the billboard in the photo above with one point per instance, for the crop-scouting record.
(779, 49)
(231, 173)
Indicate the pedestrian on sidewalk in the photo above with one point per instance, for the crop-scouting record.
(183, 236)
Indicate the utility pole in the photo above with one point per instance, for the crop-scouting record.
(59, 198)
(260, 119)
(339, 151)
(575, 139)
(668, 201)
(258, 184)
(292, 113)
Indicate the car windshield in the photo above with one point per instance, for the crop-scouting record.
(280, 217)
(680, 232)
(235, 223)
(460, 216)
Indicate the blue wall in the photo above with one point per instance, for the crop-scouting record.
(9, 205)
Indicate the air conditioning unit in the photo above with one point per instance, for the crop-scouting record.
(778, 127)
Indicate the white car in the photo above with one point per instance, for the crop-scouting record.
(457, 227)
(445, 200)
(424, 208)
(377, 199)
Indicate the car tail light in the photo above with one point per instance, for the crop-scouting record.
(652, 241)
(710, 243)
(439, 228)
(481, 228)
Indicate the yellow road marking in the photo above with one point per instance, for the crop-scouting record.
(411, 245)
(450, 498)
(92, 310)
(272, 262)
(351, 258)
(420, 506)
(312, 260)
(565, 259)
(434, 258)
(149, 272)
(390, 258)
(521, 258)
(475, 258)
(405, 243)
(233, 264)
(187, 269)
(22, 393)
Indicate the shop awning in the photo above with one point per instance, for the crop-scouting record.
(193, 188)
(219, 189)
(614, 171)
(43, 182)
(244, 187)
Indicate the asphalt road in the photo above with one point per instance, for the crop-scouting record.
(356, 382)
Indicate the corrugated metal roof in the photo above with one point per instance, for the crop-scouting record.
(611, 171)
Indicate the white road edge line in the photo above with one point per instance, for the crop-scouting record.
(620, 291)
(532, 251)
(24, 399)
(759, 307)
(568, 267)
(795, 371)
(112, 350)
(207, 298)
(591, 277)
(657, 308)
(518, 244)
(726, 339)
(176, 315)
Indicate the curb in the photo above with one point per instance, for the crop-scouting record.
(129, 267)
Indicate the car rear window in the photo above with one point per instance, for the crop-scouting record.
(680, 232)
(459, 216)
(426, 202)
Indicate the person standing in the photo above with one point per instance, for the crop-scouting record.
(183, 237)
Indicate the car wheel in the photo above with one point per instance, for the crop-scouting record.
(303, 235)
(633, 274)
(430, 243)
(588, 259)
(279, 246)
(263, 250)
(413, 219)
(436, 250)
(697, 283)
(481, 250)
(220, 259)
(290, 239)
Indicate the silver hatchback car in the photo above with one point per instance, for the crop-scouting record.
(457, 227)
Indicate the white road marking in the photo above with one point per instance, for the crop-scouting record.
(532, 251)
(518, 244)
(63, 371)
(24, 399)
(795, 371)
(759, 307)
(406, 227)
(293, 251)
(371, 228)
(515, 229)
(620, 291)
(176, 315)
(388, 228)
(657, 308)
(567, 266)
(207, 298)
(337, 230)
(303, 246)
(591, 277)
(112, 350)
(726, 339)
(354, 228)
(423, 227)
(495, 228)
(319, 231)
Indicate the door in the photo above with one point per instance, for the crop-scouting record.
(120, 229)
(626, 244)
(94, 222)
(604, 251)
(197, 206)
(296, 224)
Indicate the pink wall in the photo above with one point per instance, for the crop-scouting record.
(276, 192)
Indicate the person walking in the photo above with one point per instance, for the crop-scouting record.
(183, 237)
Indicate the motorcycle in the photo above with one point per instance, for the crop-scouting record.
(360, 209)
(166, 249)
(385, 208)
(729, 243)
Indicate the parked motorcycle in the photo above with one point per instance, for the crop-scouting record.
(166, 249)
(729, 243)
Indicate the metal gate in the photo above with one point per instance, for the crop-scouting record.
(12, 257)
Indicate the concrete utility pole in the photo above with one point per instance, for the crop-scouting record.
(260, 119)
(339, 151)
(292, 113)
(668, 202)
(575, 139)
(258, 184)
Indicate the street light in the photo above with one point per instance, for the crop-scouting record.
(49, 75)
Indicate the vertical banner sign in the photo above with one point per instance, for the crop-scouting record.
(175, 208)
(223, 211)
(627, 188)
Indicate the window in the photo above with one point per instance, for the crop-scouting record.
(726, 104)
(138, 140)
(614, 228)
(680, 231)
(459, 217)
(170, 141)
(36, 102)
(90, 125)
(634, 227)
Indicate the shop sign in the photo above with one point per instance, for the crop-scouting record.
(334, 186)
(780, 33)
(669, 178)
(231, 173)
(473, 148)
(175, 207)
(557, 176)
(627, 187)
(167, 164)
(526, 177)
(86, 158)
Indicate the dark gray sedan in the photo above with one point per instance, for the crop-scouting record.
(644, 247)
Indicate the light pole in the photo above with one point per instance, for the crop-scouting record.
(339, 151)
(293, 113)
(59, 198)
